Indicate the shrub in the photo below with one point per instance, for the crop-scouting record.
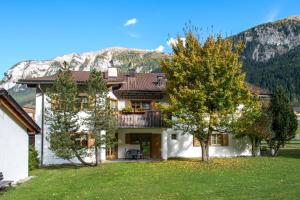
(33, 161)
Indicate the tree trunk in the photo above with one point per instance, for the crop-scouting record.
(205, 151)
(253, 149)
(81, 160)
(255, 146)
(97, 157)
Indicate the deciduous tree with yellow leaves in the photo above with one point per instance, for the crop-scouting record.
(205, 86)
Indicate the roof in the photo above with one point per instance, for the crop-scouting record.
(258, 90)
(79, 76)
(136, 82)
(7, 102)
(144, 82)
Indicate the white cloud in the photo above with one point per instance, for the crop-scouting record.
(173, 41)
(130, 22)
(133, 35)
(272, 15)
(160, 48)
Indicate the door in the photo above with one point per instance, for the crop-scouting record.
(145, 145)
(156, 146)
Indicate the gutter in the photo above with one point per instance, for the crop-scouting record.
(42, 125)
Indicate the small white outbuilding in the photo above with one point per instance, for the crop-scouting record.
(15, 127)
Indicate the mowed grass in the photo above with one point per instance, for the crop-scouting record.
(231, 178)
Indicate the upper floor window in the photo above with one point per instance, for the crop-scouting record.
(145, 105)
(113, 104)
(83, 102)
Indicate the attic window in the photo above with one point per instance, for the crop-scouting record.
(159, 80)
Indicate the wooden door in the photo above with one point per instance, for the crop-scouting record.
(156, 146)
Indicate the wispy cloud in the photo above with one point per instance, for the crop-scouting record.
(130, 22)
(173, 41)
(272, 15)
(133, 35)
(160, 48)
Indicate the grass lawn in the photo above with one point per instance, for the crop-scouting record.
(231, 178)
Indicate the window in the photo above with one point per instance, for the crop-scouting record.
(174, 136)
(145, 105)
(114, 104)
(216, 139)
(84, 139)
(83, 102)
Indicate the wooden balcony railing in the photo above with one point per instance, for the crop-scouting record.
(150, 119)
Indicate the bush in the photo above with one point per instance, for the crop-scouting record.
(33, 161)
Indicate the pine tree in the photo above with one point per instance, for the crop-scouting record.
(100, 115)
(205, 86)
(62, 117)
(284, 121)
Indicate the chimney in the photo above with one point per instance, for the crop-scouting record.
(160, 79)
(112, 73)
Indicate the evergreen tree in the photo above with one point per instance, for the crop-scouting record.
(100, 116)
(284, 121)
(62, 117)
(205, 86)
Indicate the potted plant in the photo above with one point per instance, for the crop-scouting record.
(140, 110)
(127, 110)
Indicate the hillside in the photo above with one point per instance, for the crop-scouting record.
(272, 55)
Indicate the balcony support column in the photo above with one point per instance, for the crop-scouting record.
(164, 145)
(102, 150)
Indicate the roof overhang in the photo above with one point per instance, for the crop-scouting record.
(16, 111)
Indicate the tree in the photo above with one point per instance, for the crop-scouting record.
(254, 123)
(284, 121)
(205, 86)
(100, 115)
(62, 117)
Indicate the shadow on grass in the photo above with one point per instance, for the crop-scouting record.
(64, 166)
(289, 153)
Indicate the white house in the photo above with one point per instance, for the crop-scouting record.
(15, 127)
(140, 124)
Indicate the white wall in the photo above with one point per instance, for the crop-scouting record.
(13, 148)
(183, 147)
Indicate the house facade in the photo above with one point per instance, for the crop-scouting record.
(140, 125)
(16, 126)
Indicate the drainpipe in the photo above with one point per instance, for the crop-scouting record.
(42, 125)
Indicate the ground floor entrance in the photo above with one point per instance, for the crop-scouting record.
(147, 144)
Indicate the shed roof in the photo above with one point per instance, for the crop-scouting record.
(10, 105)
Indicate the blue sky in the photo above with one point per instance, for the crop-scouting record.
(36, 29)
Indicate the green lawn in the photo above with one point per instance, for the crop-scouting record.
(232, 178)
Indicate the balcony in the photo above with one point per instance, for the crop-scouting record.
(146, 119)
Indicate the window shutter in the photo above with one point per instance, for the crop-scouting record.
(153, 105)
(91, 140)
(224, 139)
(127, 103)
(127, 138)
(196, 142)
(91, 102)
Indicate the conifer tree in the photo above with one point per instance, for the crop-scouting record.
(284, 121)
(100, 115)
(62, 117)
(205, 86)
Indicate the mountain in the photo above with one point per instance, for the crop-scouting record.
(272, 55)
(122, 58)
(271, 58)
